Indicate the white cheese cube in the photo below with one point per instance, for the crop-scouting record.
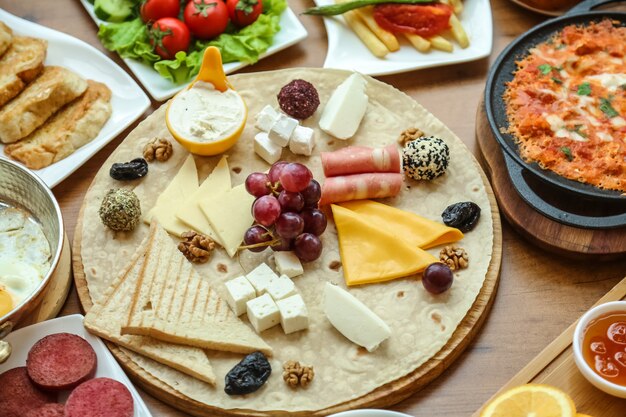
(287, 263)
(293, 314)
(345, 108)
(282, 129)
(282, 287)
(266, 118)
(266, 149)
(260, 278)
(302, 141)
(263, 313)
(238, 292)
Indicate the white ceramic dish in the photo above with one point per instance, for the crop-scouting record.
(23, 339)
(346, 51)
(579, 333)
(128, 101)
(369, 413)
(291, 32)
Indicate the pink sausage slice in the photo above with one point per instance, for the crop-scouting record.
(100, 397)
(361, 159)
(360, 186)
(18, 395)
(48, 410)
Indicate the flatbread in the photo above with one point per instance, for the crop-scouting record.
(421, 323)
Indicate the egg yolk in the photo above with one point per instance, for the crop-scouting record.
(6, 302)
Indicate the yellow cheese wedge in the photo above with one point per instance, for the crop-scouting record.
(182, 186)
(190, 212)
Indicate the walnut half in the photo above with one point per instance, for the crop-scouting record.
(295, 374)
(196, 247)
(455, 257)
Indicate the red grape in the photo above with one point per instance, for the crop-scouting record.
(314, 221)
(295, 177)
(266, 210)
(312, 194)
(291, 201)
(275, 170)
(437, 278)
(285, 244)
(289, 225)
(307, 247)
(257, 184)
(254, 235)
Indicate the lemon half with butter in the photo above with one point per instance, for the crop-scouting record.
(208, 116)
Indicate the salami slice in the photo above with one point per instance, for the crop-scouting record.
(61, 361)
(360, 186)
(361, 159)
(100, 397)
(18, 395)
(48, 410)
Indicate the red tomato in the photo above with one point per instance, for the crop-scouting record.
(424, 20)
(153, 10)
(169, 35)
(206, 19)
(244, 12)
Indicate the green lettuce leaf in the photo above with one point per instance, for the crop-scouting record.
(129, 40)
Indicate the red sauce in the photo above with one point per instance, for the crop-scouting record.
(604, 347)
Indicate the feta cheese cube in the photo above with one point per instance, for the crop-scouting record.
(282, 129)
(302, 141)
(238, 292)
(266, 118)
(260, 278)
(294, 315)
(287, 263)
(263, 313)
(280, 288)
(266, 149)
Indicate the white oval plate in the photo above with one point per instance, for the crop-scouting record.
(128, 100)
(23, 339)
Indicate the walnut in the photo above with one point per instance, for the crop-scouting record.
(295, 374)
(159, 149)
(408, 135)
(196, 247)
(454, 257)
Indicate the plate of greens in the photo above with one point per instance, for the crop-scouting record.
(275, 29)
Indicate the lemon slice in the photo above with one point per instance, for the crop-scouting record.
(531, 400)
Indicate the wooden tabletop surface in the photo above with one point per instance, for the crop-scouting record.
(540, 293)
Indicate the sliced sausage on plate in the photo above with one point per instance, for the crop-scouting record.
(100, 397)
(18, 395)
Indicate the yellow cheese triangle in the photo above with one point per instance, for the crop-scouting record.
(372, 254)
(405, 226)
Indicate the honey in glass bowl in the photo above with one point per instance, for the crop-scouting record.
(604, 347)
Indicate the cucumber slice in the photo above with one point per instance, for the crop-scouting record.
(113, 10)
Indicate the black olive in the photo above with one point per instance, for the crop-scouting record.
(463, 216)
(132, 170)
(248, 375)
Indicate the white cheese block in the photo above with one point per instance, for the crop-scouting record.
(281, 287)
(287, 263)
(354, 319)
(302, 141)
(345, 108)
(294, 315)
(282, 129)
(238, 292)
(266, 149)
(260, 278)
(263, 313)
(266, 118)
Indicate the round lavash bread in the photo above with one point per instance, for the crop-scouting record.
(421, 323)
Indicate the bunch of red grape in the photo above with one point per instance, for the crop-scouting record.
(286, 211)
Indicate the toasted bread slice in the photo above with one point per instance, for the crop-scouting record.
(106, 316)
(6, 37)
(73, 126)
(55, 88)
(172, 302)
(21, 64)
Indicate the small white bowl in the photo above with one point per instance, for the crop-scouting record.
(579, 334)
(369, 413)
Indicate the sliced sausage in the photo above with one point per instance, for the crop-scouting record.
(100, 397)
(361, 159)
(360, 186)
(61, 361)
(48, 410)
(18, 395)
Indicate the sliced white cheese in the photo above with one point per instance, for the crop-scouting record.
(609, 81)
(287, 263)
(263, 313)
(266, 149)
(345, 108)
(266, 118)
(260, 278)
(354, 319)
(294, 315)
(302, 141)
(281, 130)
(281, 287)
(238, 292)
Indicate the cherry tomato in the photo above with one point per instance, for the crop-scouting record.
(419, 19)
(153, 10)
(169, 35)
(206, 19)
(244, 12)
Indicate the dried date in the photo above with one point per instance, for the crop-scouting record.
(248, 375)
(127, 171)
(463, 216)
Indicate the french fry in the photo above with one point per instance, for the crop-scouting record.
(365, 34)
(441, 43)
(457, 5)
(458, 32)
(419, 43)
(386, 37)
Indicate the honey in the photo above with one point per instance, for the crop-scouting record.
(604, 347)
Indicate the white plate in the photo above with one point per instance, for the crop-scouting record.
(369, 413)
(128, 101)
(291, 32)
(346, 51)
(23, 339)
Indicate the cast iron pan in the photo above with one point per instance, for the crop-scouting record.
(502, 72)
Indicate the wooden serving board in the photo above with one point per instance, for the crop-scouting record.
(555, 366)
(548, 234)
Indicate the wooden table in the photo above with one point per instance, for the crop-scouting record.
(540, 294)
